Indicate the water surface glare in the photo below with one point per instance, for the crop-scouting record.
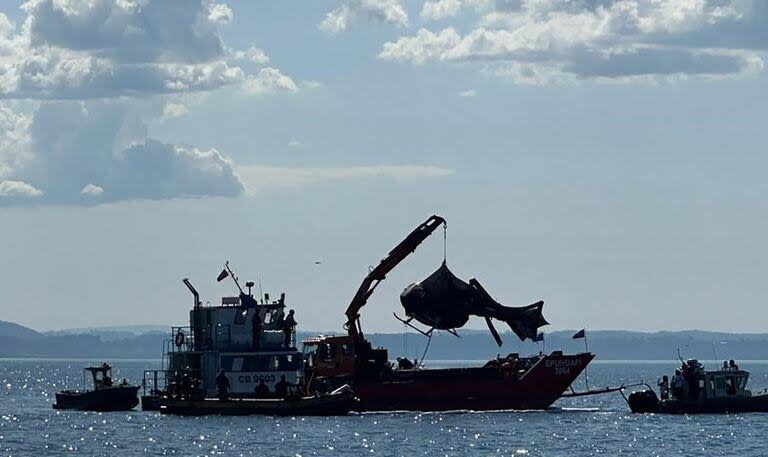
(599, 425)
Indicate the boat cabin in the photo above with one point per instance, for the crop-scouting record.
(330, 355)
(246, 336)
(700, 385)
(101, 375)
(726, 384)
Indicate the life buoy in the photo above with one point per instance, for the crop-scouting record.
(179, 339)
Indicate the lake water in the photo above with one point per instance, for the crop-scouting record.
(596, 425)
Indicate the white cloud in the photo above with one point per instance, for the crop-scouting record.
(343, 18)
(621, 40)
(252, 54)
(129, 31)
(257, 178)
(436, 10)
(76, 49)
(468, 93)
(295, 143)
(73, 145)
(422, 47)
(219, 13)
(14, 140)
(97, 72)
(18, 189)
(92, 190)
(270, 80)
(172, 110)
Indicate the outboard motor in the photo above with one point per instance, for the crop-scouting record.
(644, 401)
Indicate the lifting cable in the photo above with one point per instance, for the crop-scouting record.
(445, 242)
(421, 360)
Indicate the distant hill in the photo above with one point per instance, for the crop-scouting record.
(147, 342)
(114, 333)
(11, 330)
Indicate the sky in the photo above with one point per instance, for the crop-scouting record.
(605, 156)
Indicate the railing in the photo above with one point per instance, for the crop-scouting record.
(182, 339)
(154, 380)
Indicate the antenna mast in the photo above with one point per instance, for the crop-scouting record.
(234, 278)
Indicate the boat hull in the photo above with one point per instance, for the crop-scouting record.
(640, 402)
(476, 389)
(326, 405)
(150, 403)
(118, 398)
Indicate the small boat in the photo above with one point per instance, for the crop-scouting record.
(337, 403)
(105, 396)
(694, 390)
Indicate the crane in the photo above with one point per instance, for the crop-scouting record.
(379, 273)
(351, 357)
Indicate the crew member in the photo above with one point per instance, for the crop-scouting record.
(256, 330)
(282, 387)
(106, 380)
(678, 385)
(222, 384)
(288, 325)
(279, 319)
(664, 387)
(732, 365)
(262, 390)
(186, 384)
(404, 364)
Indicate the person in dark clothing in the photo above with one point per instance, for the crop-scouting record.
(288, 325)
(404, 364)
(281, 388)
(262, 390)
(256, 331)
(186, 384)
(664, 387)
(222, 384)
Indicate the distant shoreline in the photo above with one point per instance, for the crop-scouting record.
(18, 342)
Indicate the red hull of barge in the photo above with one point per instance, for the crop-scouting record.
(475, 389)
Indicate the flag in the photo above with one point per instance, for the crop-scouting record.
(579, 334)
(539, 337)
(222, 275)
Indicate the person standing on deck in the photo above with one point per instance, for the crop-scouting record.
(281, 388)
(222, 384)
(256, 330)
(288, 325)
(678, 385)
(262, 390)
(664, 387)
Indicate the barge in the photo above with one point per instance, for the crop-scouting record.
(514, 383)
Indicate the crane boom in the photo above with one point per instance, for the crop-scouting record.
(387, 264)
